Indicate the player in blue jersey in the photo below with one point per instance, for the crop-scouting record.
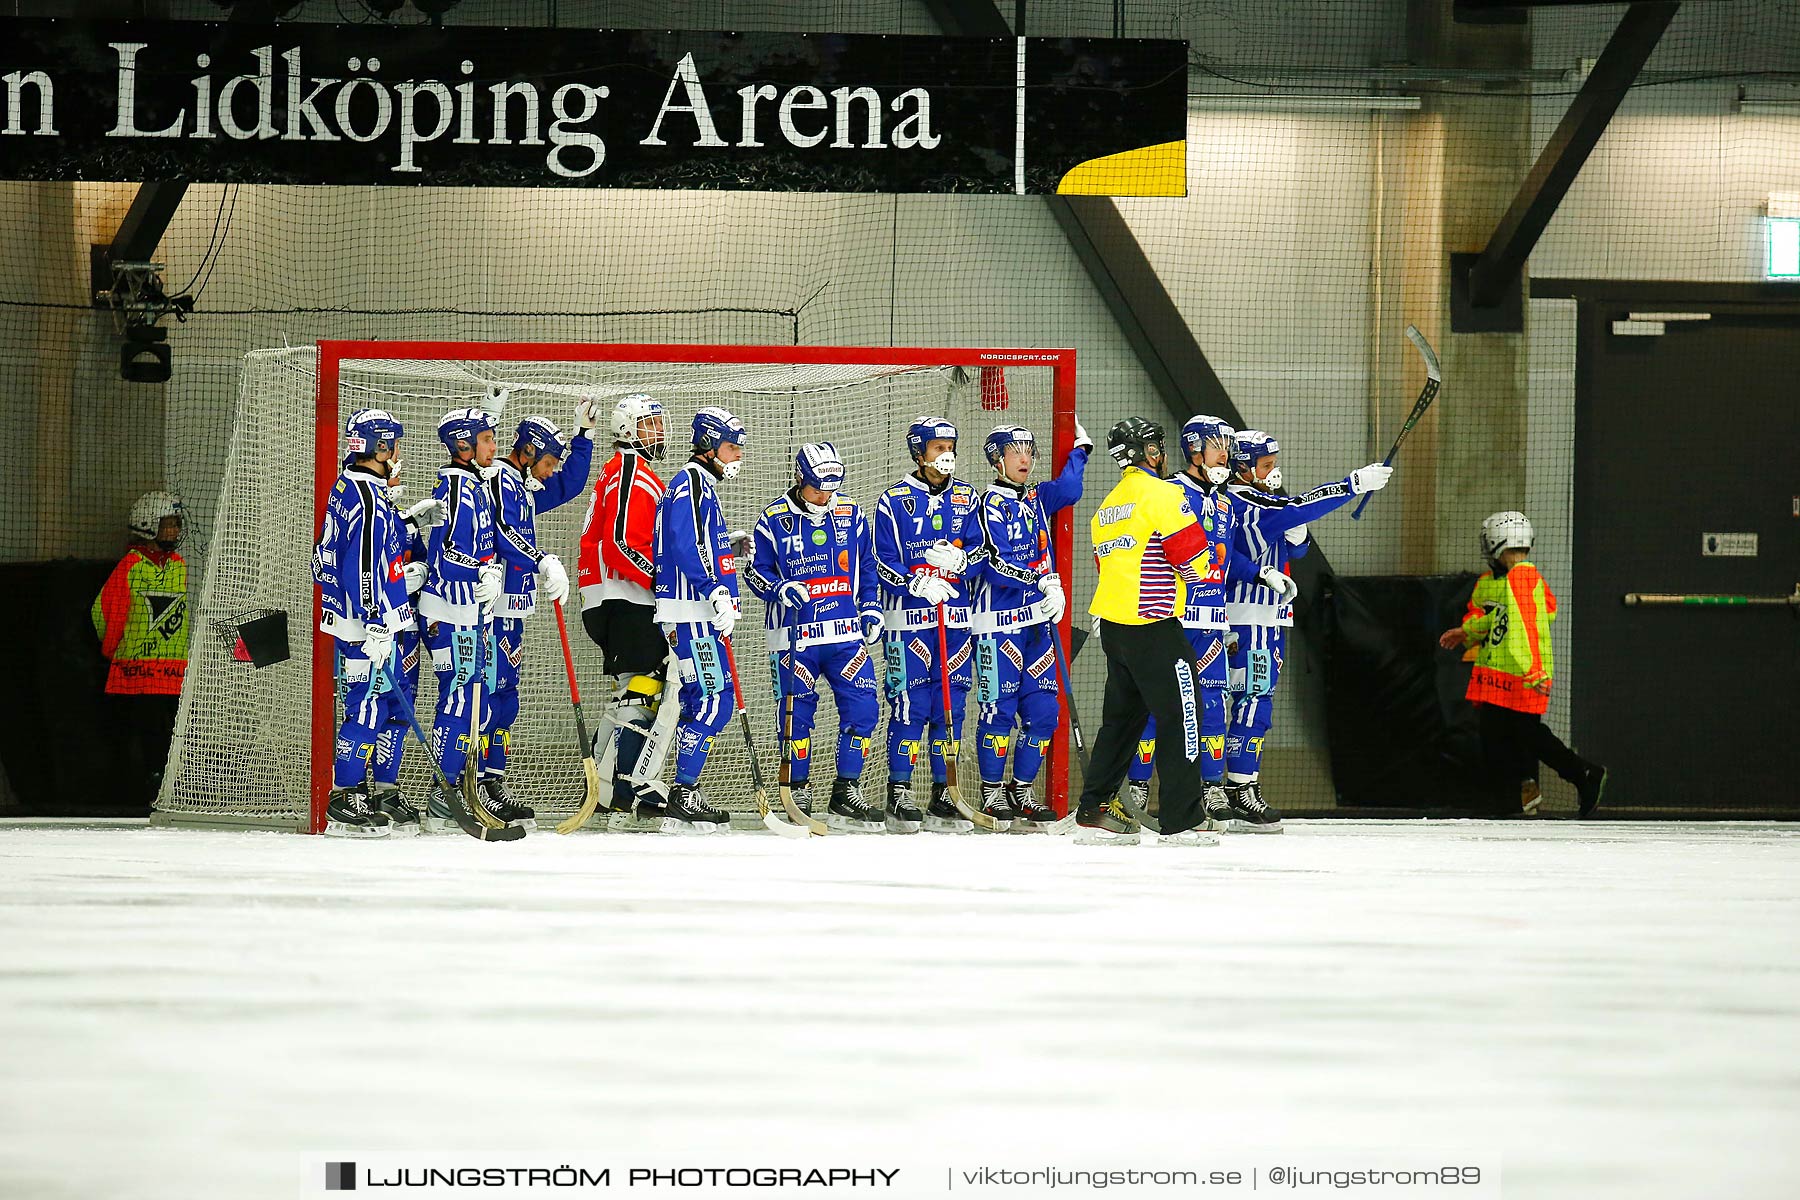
(1018, 597)
(1271, 531)
(463, 584)
(528, 482)
(697, 608)
(812, 562)
(1207, 444)
(357, 563)
(927, 538)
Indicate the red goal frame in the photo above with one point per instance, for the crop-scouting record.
(333, 353)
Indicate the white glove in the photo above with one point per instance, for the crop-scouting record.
(1081, 436)
(1296, 536)
(871, 626)
(378, 644)
(934, 589)
(1282, 586)
(1055, 602)
(489, 578)
(792, 594)
(587, 414)
(415, 573)
(553, 579)
(945, 557)
(725, 611)
(1371, 478)
(740, 542)
(426, 515)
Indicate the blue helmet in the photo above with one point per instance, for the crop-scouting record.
(713, 427)
(1196, 432)
(542, 435)
(819, 466)
(1251, 444)
(463, 425)
(1003, 436)
(928, 429)
(368, 430)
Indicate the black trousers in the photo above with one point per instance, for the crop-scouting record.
(1513, 743)
(1150, 671)
(628, 635)
(143, 727)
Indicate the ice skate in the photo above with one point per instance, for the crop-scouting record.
(1248, 812)
(502, 805)
(1197, 836)
(848, 812)
(390, 801)
(803, 797)
(348, 815)
(1105, 825)
(689, 812)
(942, 817)
(1217, 806)
(1031, 815)
(1591, 788)
(902, 815)
(439, 817)
(997, 804)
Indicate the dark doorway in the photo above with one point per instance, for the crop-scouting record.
(1696, 431)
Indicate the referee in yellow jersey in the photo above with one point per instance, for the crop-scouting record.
(1146, 540)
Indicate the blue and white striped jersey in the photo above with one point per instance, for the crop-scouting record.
(693, 548)
(516, 506)
(1016, 549)
(909, 517)
(1263, 518)
(833, 555)
(459, 546)
(358, 559)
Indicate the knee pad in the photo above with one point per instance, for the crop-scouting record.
(635, 700)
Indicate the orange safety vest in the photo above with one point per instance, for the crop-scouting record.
(1508, 635)
(141, 618)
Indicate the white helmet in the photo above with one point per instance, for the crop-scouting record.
(1505, 531)
(626, 413)
(148, 513)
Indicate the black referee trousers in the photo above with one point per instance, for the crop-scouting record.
(1150, 671)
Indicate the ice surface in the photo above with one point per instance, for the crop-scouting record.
(1613, 1008)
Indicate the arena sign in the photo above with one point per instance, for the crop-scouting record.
(483, 107)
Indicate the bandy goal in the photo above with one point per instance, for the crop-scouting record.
(253, 746)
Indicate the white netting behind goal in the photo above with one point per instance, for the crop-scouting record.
(244, 737)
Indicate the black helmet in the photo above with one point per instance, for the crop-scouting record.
(1129, 441)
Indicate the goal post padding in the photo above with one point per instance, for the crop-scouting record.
(255, 747)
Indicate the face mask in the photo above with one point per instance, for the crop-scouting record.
(944, 464)
(533, 483)
(1272, 481)
(730, 470)
(815, 510)
(1217, 475)
(491, 471)
(393, 474)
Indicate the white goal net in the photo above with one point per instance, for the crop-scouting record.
(245, 749)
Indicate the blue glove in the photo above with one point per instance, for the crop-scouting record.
(792, 593)
(871, 626)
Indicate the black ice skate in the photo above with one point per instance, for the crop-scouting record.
(403, 818)
(689, 812)
(848, 812)
(903, 816)
(348, 815)
(1248, 813)
(439, 816)
(1105, 825)
(1031, 815)
(1591, 788)
(942, 816)
(996, 803)
(803, 797)
(499, 801)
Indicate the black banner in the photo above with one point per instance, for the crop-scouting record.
(361, 104)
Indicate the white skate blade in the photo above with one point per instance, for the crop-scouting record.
(405, 831)
(527, 823)
(676, 827)
(953, 827)
(999, 826)
(1188, 838)
(1063, 827)
(439, 826)
(1033, 826)
(357, 832)
(895, 825)
(840, 824)
(1088, 835)
(1244, 827)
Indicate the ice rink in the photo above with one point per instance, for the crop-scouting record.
(1612, 1008)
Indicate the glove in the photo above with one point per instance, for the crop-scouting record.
(792, 594)
(725, 611)
(1371, 478)
(1284, 588)
(489, 579)
(553, 580)
(1081, 436)
(1055, 602)
(426, 515)
(945, 557)
(415, 573)
(378, 644)
(587, 414)
(934, 589)
(740, 542)
(1096, 627)
(871, 625)
(1296, 536)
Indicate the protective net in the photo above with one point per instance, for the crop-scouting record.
(245, 736)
